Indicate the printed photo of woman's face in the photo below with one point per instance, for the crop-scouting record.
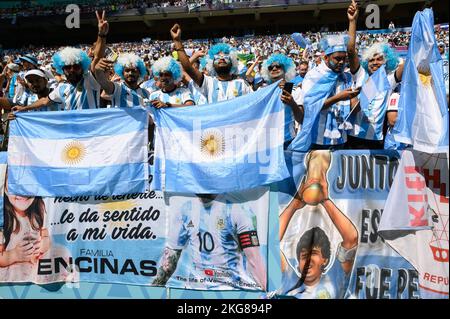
(20, 203)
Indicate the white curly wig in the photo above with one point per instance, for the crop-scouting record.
(168, 64)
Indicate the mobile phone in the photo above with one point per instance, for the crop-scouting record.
(288, 86)
(111, 55)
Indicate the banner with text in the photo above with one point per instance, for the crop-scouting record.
(329, 213)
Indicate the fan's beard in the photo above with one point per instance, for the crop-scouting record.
(223, 70)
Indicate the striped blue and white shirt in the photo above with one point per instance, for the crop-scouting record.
(370, 127)
(209, 234)
(28, 98)
(217, 91)
(149, 85)
(84, 95)
(177, 96)
(199, 98)
(124, 96)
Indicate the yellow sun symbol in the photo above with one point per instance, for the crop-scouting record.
(425, 79)
(424, 73)
(212, 143)
(73, 153)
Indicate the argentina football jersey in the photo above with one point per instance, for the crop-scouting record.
(84, 95)
(124, 96)
(212, 238)
(217, 91)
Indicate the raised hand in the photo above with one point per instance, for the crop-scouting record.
(352, 11)
(175, 32)
(103, 26)
(104, 65)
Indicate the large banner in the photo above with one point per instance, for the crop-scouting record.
(222, 240)
(330, 211)
(199, 242)
(115, 239)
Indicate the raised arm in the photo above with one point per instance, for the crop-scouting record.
(100, 44)
(343, 224)
(248, 74)
(399, 71)
(196, 75)
(100, 75)
(352, 14)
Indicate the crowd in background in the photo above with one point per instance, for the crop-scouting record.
(247, 61)
(112, 6)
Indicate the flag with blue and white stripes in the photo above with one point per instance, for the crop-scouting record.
(78, 153)
(423, 112)
(373, 99)
(224, 147)
(318, 86)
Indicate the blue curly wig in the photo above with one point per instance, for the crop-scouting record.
(390, 56)
(286, 62)
(130, 60)
(217, 48)
(225, 49)
(203, 63)
(70, 56)
(168, 64)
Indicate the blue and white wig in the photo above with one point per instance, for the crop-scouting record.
(130, 60)
(334, 43)
(203, 62)
(225, 49)
(168, 64)
(390, 56)
(70, 56)
(286, 62)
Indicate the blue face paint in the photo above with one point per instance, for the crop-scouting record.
(331, 64)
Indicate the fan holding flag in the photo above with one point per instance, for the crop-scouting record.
(378, 74)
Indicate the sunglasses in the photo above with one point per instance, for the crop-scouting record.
(217, 57)
(273, 66)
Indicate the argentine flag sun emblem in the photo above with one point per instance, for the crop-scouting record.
(73, 153)
(212, 143)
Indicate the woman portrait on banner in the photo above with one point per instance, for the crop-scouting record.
(318, 241)
(25, 239)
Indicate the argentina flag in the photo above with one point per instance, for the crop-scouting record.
(89, 152)
(3, 157)
(317, 85)
(422, 112)
(373, 99)
(374, 86)
(224, 147)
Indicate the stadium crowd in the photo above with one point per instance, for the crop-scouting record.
(183, 72)
(28, 10)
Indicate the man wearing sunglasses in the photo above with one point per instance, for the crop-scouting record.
(220, 84)
(280, 67)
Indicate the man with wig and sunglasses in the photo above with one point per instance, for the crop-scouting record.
(222, 65)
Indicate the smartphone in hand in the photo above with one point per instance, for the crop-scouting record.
(111, 55)
(288, 86)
